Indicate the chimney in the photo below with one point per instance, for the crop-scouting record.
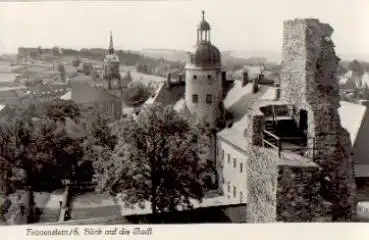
(255, 86)
(245, 78)
(169, 80)
(224, 76)
(261, 77)
(277, 91)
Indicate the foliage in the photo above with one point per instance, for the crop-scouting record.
(37, 155)
(157, 159)
(86, 69)
(137, 93)
(59, 110)
(62, 71)
(356, 67)
(76, 62)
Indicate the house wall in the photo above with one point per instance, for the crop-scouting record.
(231, 167)
(202, 86)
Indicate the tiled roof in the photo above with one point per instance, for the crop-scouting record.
(167, 96)
(240, 98)
(239, 101)
(84, 93)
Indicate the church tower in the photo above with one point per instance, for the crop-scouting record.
(111, 70)
(203, 93)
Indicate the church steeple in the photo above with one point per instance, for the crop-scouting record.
(111, 45)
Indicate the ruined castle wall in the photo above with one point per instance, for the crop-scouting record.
(308, 79)
(298, 197)
(278, 192)
(262, 174)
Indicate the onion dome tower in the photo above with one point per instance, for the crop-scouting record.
(203, 93)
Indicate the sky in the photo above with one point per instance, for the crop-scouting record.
(243, 25)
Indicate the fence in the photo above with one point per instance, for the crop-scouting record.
(275, 142)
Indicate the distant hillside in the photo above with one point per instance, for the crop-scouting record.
(231, 59)
(167, 54)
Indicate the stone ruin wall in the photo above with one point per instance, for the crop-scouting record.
(298, 194)
(308, 80)
(277, 192)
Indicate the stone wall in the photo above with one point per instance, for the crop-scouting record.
(298, 198)
(262, 174)
(308, 79)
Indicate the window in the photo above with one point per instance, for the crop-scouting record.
(229, 158)
(208, 98)
(241, 197)
(222, 155)
(234, 191)
(194, 77)
(234, 162)
(195, 98)
(229, 187)
(209, 79)
(241, 167)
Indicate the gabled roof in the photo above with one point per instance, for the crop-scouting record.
(352, 116)
(82, 93)
(167, 96)
(238, 101)
(239, 98)
(355, 119)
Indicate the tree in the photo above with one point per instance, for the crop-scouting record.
(86, 69)
(59, 110)
(62, 71)
(157, 159)
(356, 67)
(137, 93)
(76, 62)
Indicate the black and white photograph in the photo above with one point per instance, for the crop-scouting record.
(183, 112)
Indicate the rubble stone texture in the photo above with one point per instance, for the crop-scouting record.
(278, 191)
(262, 177)
(309, 81)
(298, 198)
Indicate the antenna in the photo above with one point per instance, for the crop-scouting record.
(203, 14)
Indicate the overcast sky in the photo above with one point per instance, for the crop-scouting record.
(252, 25)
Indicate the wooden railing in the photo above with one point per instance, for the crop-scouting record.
(275, 142)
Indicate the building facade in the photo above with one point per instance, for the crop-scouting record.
(203, 88)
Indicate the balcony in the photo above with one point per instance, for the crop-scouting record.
(283, 132)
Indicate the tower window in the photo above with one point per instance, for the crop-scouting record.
(234, 191)
(234, 162)
(194, 77)
(195, 98)
(229, 158)
(241, 197)
(209, 77)
(229, 187)
(208, 98)
(241, 167)
(222, 154)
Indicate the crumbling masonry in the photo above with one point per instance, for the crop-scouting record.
(309, 84)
